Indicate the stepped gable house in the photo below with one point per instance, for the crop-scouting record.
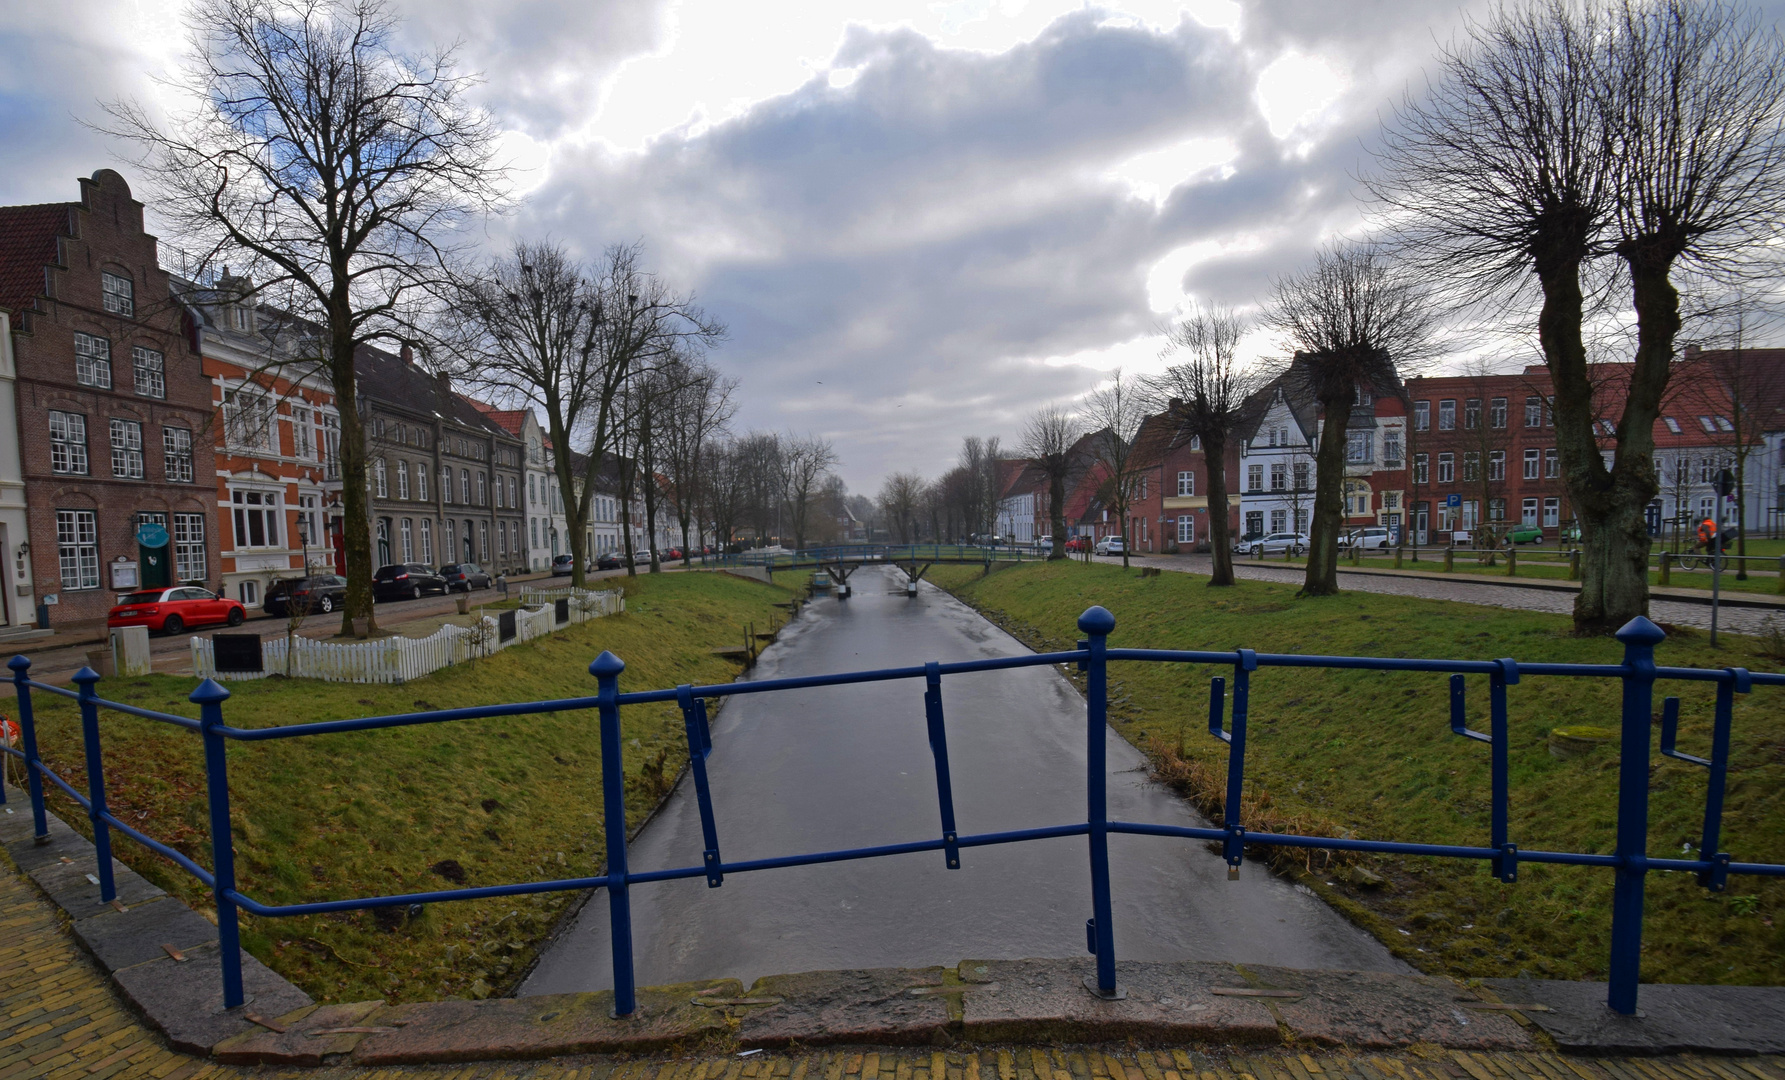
(446, 479)
(113, 408)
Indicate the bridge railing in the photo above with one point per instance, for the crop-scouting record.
(888, 553)
(1629, 862)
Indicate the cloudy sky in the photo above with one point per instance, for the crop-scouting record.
(920, 219)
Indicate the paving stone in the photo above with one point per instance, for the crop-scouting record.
(550, 1025)
(28, 855)
(68, 886)
(185, 1000)
(888, 1006)
(1669, 1020)
(312, 1036)
(1378, 1009)
(122, 939)
(1047, 1001)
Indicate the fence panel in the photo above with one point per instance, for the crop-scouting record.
(400, 659)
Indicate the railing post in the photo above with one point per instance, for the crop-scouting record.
(1096, 624)
(606, 668)
(1505, 864)
(1233, 848)
(209, 697)
(102, 833)
(1640, 636)
(21, 677)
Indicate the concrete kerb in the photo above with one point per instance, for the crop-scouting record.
(162, 958)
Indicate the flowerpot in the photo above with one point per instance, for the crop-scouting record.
(464, 602)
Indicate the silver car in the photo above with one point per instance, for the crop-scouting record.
(1277, 543)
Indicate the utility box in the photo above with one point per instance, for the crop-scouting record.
(130, 651)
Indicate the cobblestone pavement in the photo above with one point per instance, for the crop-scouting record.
(59, 1018)
(1735, 620)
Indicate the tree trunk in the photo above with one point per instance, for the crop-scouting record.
(1214, 456)
(1322, 578)
(1056, 497)
(651, 523)
(626, 527)
(356, 526)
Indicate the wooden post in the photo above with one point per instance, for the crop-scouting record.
(1449, 559)
(1666, 567)
(1512, 562)
(1574, 564)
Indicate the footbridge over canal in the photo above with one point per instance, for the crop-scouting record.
(914, 559)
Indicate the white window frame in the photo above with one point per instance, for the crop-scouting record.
(92, 361)
(1496, 465)
(149, 370)
(1552, 512)
(117, 294)
(251, 504)
(176, 454)
(403, 485)
(189, 547)
(127, 449)
(68, 443)
(1186, 484)
(250, 420)
(1447, 468)
(427, 541)
(406, 529)
(421, 481)
(446, 488)
(1533, 463)
(380, 480)
(77, 549)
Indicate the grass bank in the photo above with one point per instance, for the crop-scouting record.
(418, 808)
(1467, 562)
(1345, 753)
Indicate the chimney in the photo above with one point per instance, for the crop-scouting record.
(408, 355)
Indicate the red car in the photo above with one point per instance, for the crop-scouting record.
(173, 610)
(1077, 543)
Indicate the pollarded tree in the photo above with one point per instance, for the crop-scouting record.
(804, 463)
(1356, 322)
(900, 497)
(1564, 143)
(1206, 390)
(1117, 410)
(334, 170)
(1047, 441)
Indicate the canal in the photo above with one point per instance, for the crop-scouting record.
(824, 769)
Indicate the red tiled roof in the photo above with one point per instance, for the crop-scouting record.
(27, 244)
(511, 420)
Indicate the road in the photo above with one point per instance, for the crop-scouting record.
(825, 769)
(1736, 620)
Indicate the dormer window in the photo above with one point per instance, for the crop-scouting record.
(241, 318)
(117, 293)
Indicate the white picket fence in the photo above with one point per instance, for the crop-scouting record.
(399, 659)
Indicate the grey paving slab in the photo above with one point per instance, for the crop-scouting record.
(185, 999)
(75, 888)
(121, 939)
(1669, 1020)
(1047, 1001)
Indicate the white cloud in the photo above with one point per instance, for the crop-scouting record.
(1152, 174)
(1295, 91)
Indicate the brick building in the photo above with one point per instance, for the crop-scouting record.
(113, 407)
(1170, 511)
(276, 439)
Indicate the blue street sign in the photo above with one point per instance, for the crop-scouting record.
(151, 534)
(1453, 499)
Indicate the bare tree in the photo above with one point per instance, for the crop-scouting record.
(900, 496)
(1047, 441)
(1116, 410)
(805, 461)
(721, 491)
(1354, 320)
(1206, 392)
(332, 169)
(1565, 143)
(697, 411)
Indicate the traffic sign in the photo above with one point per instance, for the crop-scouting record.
(1726, 483)
(1453, 499)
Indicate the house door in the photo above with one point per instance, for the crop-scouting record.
(1421, 524)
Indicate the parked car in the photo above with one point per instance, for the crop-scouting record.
(464, 576)
(1277, 543)
(406, 581)
(1044, 543)
(1077, 543)
(563, 565)
(641, 556)
(1109, 545)
(672, 554)
(1373, 536)
(1524, 534)
(173, 610)
(613, 560)
(1245, 542)
(322, 592)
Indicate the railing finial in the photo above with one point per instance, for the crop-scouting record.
(209, 692)
(607, 664)
(1640, 631)
(1096, 620)
(86, 676)
(19, 665)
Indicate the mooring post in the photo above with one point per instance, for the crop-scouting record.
(1096, 624)
(102, 833)
(209, 697)
(606, 668)
(1640, 636)
(21, 679)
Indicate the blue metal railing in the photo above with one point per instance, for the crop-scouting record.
(1630, 860)
(887, 553)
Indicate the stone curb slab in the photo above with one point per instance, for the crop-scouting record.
(1047, 1001)
(185, 998)
(121, 939)
(1669, 1020)
(887, 1006)
(314, 1035)
(1379, 1010)
(547, 1026)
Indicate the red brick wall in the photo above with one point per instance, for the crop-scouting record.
(107, 234)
